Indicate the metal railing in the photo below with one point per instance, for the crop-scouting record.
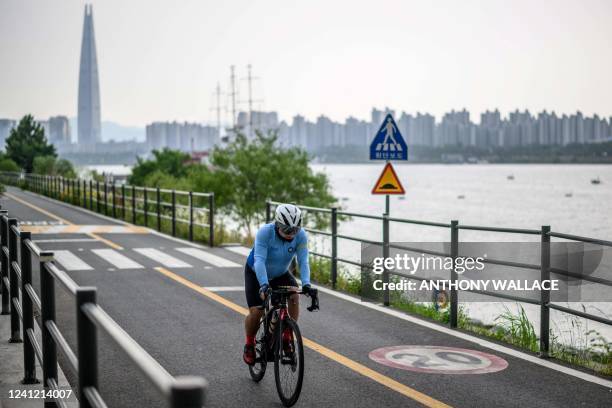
(188, 214)
(454, 227)
(20, 299)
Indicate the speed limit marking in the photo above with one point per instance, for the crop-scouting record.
(438, 359)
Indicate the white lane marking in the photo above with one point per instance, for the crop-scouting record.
(70, 261)
(224, 288)
(65, 240)
(208, 257)
(240, 250)
(117, 259)
(162, 258)
(467, 337)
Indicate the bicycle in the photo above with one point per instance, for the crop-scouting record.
(279, 340)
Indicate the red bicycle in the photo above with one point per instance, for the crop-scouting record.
(279, 340)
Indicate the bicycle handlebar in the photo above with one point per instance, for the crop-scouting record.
(313, 294)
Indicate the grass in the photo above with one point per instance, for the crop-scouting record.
(582, 346)
(516, 329)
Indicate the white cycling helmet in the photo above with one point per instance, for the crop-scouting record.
(288, 218)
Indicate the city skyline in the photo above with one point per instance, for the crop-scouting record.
(157, 65)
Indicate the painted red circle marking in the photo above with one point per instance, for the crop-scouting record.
(438, 359)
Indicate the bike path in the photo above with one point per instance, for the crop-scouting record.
(193, 334)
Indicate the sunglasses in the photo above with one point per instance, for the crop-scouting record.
(288, 230)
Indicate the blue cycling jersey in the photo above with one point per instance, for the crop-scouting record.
(271, 255)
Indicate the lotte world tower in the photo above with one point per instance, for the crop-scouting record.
(89, 86)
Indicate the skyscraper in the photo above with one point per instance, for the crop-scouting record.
(89, 87)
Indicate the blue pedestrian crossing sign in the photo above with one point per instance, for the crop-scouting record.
(388, 144)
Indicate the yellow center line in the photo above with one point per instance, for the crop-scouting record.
(40, 210)
(339, 358)
(106, 241)
(60, 219)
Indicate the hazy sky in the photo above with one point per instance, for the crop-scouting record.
(161, 60)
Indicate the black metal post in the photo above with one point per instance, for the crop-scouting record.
(545, 294)
(211, 220)
(173, 213)
(133, 204)
(114, 200)
(87, 342)
(187, 392)
(386, 299)
(191, 216)
(97, 196)
(29, 358)
(146, 207)
(49, 349)
(123, 202)
(268, 212)
(158, 209)
(91, 195)
(14, 284)
(105, 198)
(334, 246)
(4, 263)
(454, 249)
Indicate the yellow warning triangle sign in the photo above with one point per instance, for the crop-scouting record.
(388, 182)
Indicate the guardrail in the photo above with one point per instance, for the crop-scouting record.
(19, 298)
(189, 214)
(453, 230)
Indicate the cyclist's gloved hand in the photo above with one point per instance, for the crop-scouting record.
(263, 291)
(306, 289)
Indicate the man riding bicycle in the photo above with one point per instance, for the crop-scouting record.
(267, 266)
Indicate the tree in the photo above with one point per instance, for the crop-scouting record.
(44, 165)
(51, 166)
(64, 168)
(246, 174)
(169, 162)
(243, 175)
(26, 142)
(7, 164)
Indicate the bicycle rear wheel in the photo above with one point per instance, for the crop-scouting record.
(258, 370)
(288, 362)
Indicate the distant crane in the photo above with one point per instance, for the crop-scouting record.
(250, 101)
(217, 108)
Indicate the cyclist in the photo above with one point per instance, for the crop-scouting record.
(267, 266)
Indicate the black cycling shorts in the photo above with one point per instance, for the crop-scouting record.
(251, 285)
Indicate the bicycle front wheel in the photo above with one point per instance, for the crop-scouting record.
(288, 362)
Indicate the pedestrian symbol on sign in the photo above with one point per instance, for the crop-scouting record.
(388, 144)
(390, 129)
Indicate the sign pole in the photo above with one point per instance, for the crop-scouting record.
(387, 202)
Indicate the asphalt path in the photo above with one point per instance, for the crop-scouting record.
(165, 303)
